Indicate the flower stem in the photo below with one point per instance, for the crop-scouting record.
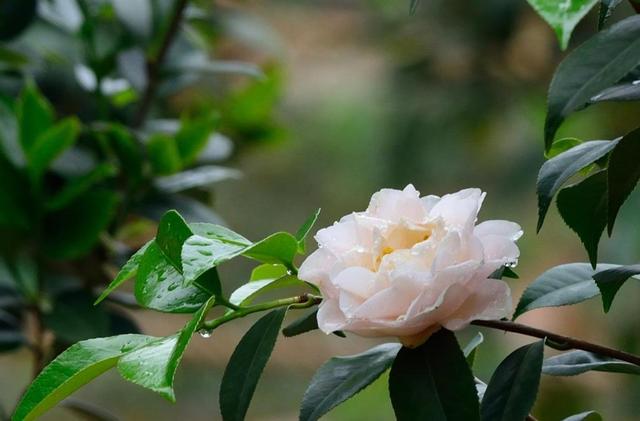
(556, 341)
(298, 302)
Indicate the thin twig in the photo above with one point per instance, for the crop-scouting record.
(558, 341)
(154, 64)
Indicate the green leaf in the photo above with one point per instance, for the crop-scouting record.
(246, 365)
(74, 230)
(268, 271)
(341, 378)
(469, 351)
(623, 92)
(194, 135)
(556, 171)
(611, 280)
(413, 6)
(583, 206)
(592, 415)
(504, 272)
(280, 247)
(623, 173)
(563, 16)
(74, 319)
(561, 145)
(15, 17)
(35, 116)
(305, 324)
(160, 286)
(560, 286)
(304, 230)
(597, 64)
(49, 145)
(202, 176)
(14, 192)
(127, 150)
(163, 154)
(245, 294)
(78, 186)
(513, 386)
(173, 231)
(154, 365)
(128, 271)
(433, 382)
(136, 16)
(71, 370)
(577, 362)
(606, 9)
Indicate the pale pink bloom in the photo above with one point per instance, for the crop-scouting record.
(409, 265)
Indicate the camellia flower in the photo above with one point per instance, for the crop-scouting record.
(409, 265)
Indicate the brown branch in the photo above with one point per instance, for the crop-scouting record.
(154, 64)
(558, 341)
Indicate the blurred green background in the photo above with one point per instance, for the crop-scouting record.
(370, 97)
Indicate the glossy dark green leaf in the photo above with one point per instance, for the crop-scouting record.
(78, 186)
(558, 170)
(49, 145)
(154, 365)
(606, 9)
(304, 324)
(71, 370)
(583, 207)
(434, 382)
(246, 293)
(470, 349)
(246, 365)
(623, 173)
(303, 231)
(163, 154)
(35, 116)
(611, 280)
(173, 231)
(72, 231)
(563, 16)
(341, 378)
(513, 387)
(560, 286)
(128, 271)
(203, 176)
(588, 415)
(597, 64)
(15, 17)
(160, 286)
(577, 362)
(629, 91)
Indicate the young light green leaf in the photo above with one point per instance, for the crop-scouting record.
(563, 16)
(513, 386)
(49, 145)
(72, 369)
(469, 351)
(246, 365)
(583, 207)
(556, 171)
(280, 247)
(623, 174)
(560, 286)
(160, 286)
(341, 378)
(611, 280)
(72, 231)
(597, 64)
(245, 294)
(35, 116)
(305, 324)
(561, 145)
(128, 270)
(588, 415)
(268, 271)
(434, 382)
(154, 365)
(577, 362)
(304, 230)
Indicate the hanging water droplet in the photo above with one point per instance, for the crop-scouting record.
(636, 82)
(511, 264)
(205, 333)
